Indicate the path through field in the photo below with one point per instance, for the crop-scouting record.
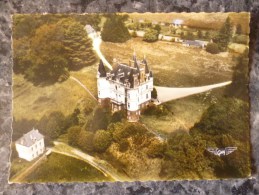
(165, 94)
(96, 47)
(101, 165)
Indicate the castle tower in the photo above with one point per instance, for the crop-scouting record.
(103, 86)
(127, 87)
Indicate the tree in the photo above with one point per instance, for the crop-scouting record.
(224, 36)
(134, 34)
(150, 35)
(52, 125)
(118, 116)
(100, 120)
(199, 34)
(184, 157)
(114, 30)
(77, 45)
(156, 149)
(102, 140)
(229, 116)
(154, 93)
(212, 48)
(157, 28)
(189, 36)
(240, 79)
(52, 50)
(239, 29)
(85, 141)
(207, 34)
(73, 135)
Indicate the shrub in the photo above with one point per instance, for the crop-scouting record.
(85, 140)
(102, 140)
(156, 149)
(153, 109)
(118, 116)
(212, 48)
(100, 120)
(134, 34)
(124, 145)
(73, 135)
(150, 35)
(154, 93)
(114, 30)
(242, 39)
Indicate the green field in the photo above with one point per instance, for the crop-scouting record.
(33, 102)
(59, 168)
(172, 65)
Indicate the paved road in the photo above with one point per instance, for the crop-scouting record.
(166, 94)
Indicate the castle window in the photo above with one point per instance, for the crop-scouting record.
(128, 105)
(116, 87)
(146, 86)
(147, 96)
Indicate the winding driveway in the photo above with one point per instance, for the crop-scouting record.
(165, 94)
(103, 166)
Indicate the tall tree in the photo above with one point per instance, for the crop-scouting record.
(52, 51)
(240, 79)
(114, 30)
(239, 29)
(77, 45)
(225, 34)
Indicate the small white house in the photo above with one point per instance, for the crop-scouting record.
(30, 145)
(177, 23)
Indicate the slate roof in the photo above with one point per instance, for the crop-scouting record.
(194, 43)
(30, 138)
(124, 72)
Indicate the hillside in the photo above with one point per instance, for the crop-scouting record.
(203, 20)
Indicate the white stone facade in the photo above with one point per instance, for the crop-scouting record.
(127, 87)
(30, 146)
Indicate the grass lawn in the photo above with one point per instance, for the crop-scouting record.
(18, 165)
(185, 112)
(33, 102)
(60, 168)
(174, 65)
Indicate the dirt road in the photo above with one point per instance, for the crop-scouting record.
(101, 165)
(21, 175)
(96, 47)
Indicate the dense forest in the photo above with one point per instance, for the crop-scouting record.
(47, 47)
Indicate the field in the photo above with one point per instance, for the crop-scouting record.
(33, 102)
(59, 168)
(172, 64)
(211, 21)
